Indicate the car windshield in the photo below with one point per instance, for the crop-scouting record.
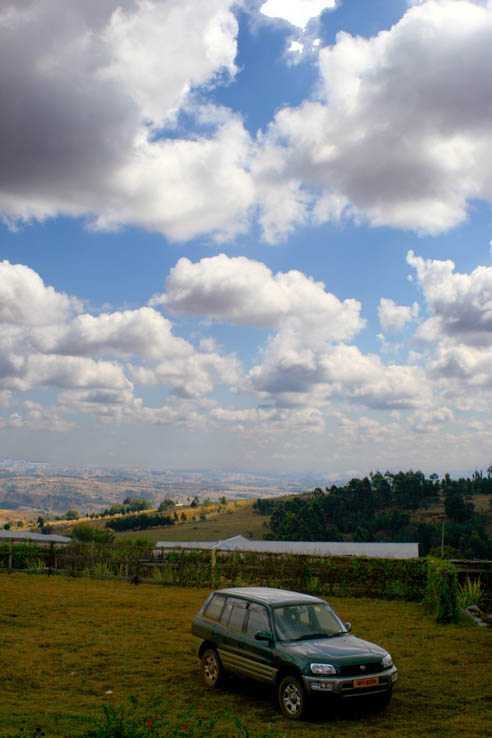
(301, 622)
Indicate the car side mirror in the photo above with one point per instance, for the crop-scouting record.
(263, 635)
(348, 626)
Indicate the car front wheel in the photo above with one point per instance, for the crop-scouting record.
(292, 698)
(212, 671)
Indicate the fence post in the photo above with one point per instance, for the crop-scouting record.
(212, 568)
(180, 569)
(10, 555)
(50, 558)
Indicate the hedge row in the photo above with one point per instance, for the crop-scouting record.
(433, 582)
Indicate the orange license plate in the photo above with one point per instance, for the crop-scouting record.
(369, 682)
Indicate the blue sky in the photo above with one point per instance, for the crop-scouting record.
(247, 235)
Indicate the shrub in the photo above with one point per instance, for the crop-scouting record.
(445, 552)
(85, 532)
(470, 593)
(441, 595)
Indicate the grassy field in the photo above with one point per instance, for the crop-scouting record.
(66, 642)
(237, 519)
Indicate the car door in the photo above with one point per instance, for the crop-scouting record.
(258, 655)
(229, 632)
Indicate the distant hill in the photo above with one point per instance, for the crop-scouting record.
(29, 490)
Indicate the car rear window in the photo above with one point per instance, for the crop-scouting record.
(214, 607)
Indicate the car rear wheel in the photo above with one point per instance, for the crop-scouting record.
(212, 671)
(291, 698)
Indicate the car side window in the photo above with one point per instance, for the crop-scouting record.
(238, 614)
(257, 620)
(226, 613)
(214, 607)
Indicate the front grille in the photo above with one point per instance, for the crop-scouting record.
(361, 670)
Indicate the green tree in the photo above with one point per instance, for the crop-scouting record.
(71, 515)
(455, 506)
(83, 532)
(118, 509)
(166, 504)
(137, 504)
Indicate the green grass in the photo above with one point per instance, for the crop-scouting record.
(65, 642)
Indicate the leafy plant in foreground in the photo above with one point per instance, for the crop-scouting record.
(151, 720)
(470, 593)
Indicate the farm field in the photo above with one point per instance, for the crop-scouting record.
(66, 642)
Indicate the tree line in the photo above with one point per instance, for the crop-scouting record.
(142, 521)
(388, 507)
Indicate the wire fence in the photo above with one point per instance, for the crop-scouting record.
(331, 575)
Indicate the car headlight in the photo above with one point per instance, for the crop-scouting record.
(323, 669)
(387, 661)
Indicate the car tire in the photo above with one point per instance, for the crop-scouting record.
(292, 698)
(212, 669)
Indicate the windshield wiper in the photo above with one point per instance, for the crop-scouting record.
(308, 636)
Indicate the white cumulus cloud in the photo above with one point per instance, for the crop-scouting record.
(24, 298)
(46, 345)
(143, 332)
(393, 317)
(244, 291)
(100, 80)
(460, 304)
(296, 12)
(340, 372)
(399, 130)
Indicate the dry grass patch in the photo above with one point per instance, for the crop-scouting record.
(66, 642)
(237, 519)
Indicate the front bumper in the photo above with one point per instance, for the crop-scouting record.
(345, 686)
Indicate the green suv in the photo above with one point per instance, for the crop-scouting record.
(295, 642)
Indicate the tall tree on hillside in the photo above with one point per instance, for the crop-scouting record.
(455, 506)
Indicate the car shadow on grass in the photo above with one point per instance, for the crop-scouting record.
(264, 697)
